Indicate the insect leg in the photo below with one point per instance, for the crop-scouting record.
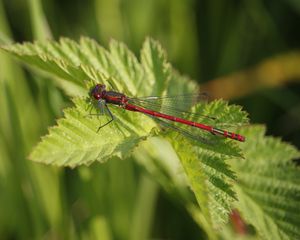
(110, 114)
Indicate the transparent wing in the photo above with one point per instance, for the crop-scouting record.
(185, 100)
(187, 131)
(173, 105)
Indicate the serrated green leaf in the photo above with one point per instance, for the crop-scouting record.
(268, 186)
(210, 178)
(82, 64)
(210, 166)
(74, 141)
(130, 72)
(196, 177)
(157, 69)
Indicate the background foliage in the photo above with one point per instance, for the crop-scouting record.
(248, 48)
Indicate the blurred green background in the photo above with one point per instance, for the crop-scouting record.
(245, 51)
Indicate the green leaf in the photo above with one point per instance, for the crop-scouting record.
(79, 66)
(157, 69)
(268, 185)
(206, 163)
(75, 140)
(196, 176)
(129, 70)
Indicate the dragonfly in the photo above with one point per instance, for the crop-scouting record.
(151, 106)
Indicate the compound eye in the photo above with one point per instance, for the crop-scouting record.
(97, 96)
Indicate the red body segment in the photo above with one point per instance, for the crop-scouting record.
(211, 129)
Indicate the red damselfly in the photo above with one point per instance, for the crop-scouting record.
(149, 107)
